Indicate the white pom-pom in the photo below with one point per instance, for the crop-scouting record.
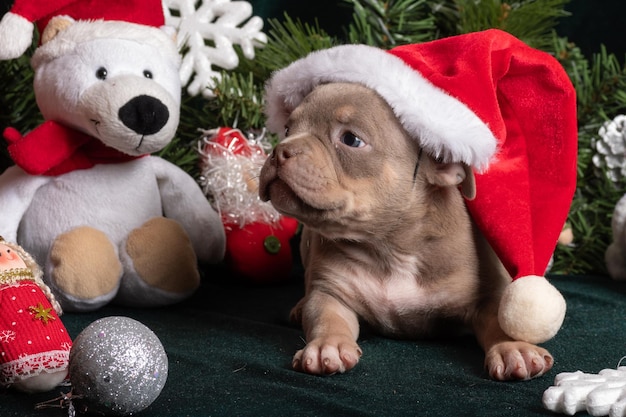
(531, 309)
(16, 33)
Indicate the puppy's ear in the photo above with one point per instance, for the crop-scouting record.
(451, 174)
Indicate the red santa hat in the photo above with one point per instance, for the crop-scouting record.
(16, 26)
(490, 101)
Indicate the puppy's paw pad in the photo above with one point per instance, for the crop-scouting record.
(327, 357)
(517, 361)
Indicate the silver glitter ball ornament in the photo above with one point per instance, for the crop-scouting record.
(117, 366)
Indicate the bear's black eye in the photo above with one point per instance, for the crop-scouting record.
(147, 74)
(101, 73)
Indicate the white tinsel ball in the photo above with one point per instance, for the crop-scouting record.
(231, 180)
(117, 366)
(611, 148)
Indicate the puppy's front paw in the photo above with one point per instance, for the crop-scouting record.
(327, 356)
(517, 361)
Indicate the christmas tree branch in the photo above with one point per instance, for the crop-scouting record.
(532, 21)
(601, 95)
(389, 23)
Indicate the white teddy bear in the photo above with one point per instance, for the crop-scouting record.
(105, 219)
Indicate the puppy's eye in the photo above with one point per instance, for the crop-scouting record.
(101, 73)
(286, 131)
(351, 140)
(148, 74)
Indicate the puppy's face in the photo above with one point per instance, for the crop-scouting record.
(345, 166)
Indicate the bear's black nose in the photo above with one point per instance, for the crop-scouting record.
(144, 114)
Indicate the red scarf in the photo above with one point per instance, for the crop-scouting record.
(53, 149)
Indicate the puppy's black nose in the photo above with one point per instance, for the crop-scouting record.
(145, 115)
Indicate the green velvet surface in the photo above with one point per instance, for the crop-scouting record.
(230, 346)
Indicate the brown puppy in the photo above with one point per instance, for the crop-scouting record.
(387, 236)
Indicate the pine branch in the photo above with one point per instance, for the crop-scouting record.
(389, 23)
(531, 20)
(601, 95)
(239, 101)
(289, 40)
(447, 17)
(601, 88)
(18, 107)
(183, 153)
(590, 220)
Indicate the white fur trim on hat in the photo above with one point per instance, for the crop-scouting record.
(16, 33)
(81, 31)
(443, 125)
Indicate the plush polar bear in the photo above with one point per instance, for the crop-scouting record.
(106, 220)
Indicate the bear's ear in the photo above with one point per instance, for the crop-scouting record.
(56, 25)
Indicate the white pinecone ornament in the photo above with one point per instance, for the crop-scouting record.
(611, 148)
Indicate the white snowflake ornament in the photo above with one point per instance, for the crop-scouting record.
(207, 30)
(601, 394)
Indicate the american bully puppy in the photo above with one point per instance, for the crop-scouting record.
(387, 238)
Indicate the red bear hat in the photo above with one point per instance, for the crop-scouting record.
(496, 104)
(16, 27)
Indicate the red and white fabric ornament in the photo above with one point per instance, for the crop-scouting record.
(492, 102)
(34, 344)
